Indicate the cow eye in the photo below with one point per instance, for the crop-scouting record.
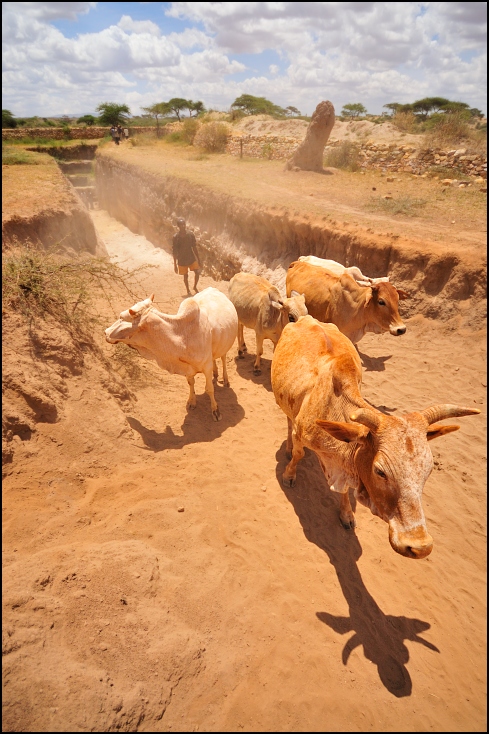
(381, 473)
(291, 318)
(381, 302)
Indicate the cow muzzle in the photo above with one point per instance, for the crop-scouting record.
(416, 543)
(397, 330)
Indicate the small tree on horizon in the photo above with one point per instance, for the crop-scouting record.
(353, 110)
(112, 113)
(292, 111)
(251, 105)
(8, 120)
(89, 120)
(157, 110)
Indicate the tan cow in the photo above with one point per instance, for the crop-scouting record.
(261, 307)
(184, 344)
(316, 377)
(338, 269)
(340, 300)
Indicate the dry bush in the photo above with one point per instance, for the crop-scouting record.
(212, 137)
(343, 156)
(189, 130)
(37, 283)
(406, 122)
(143, 139)
(452, 129)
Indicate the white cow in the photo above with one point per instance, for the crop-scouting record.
(186, 343)
(338, 269)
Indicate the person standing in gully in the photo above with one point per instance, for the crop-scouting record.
(185, 255)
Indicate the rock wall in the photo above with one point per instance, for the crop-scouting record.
(235, 235)
(385, 157)
(73, 133)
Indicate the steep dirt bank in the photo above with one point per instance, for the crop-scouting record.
(241, 234)
(40, 205)
(251, 609)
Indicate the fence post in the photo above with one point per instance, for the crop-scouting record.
(241, 147)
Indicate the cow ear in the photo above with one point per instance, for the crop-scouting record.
(132, 312)
(347, 432)
(402, 294)
(152, 297)
(435, 431)
(294, 294)
(277, 305)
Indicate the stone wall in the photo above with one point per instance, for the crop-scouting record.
(382, 156)
(60, 133)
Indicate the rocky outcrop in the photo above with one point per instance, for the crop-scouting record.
(309, 154)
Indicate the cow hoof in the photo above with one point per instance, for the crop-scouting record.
(216, 415)
(226, 383)
(288, 482)
(241, 354)
(191, 406)
(256, 371)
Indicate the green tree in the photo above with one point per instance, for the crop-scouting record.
(177, 104)
(112, 113)
(157, 110)
(292, 111)
(8, 120)
(197, 107)
(428, 105)
(89, 120)
(251, 105)
(353, 110)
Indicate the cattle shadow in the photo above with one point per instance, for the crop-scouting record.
(381, 635)
(373, 364)
(244, 368)
(198, 425)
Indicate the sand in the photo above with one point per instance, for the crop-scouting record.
(158, 577)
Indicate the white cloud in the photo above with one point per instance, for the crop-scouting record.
(369, 52)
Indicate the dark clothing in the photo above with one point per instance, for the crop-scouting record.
(182, 248)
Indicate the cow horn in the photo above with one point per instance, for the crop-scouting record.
(367, 417)
(440, 412)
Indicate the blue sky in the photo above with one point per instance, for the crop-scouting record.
(66, 58)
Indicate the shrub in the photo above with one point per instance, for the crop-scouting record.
(37, 283)
(448, 129)
(189, 130)
(343, 156)
(212, 137)
(13, 157)
(406, 122)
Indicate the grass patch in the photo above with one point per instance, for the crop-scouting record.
(404, 205)
(14, 157)
(344, 156)
(37, 283)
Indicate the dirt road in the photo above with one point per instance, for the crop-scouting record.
(157, 577)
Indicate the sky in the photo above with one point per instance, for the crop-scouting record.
(66, 58)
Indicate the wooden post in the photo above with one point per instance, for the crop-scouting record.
(241, 148)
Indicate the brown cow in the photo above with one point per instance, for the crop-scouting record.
(260, 306)
(340, 300)
(316, 377)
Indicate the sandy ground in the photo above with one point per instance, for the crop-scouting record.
(157, 577)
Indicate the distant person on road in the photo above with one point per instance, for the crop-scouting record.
(115, 134)
(185, 256)
(126, 133)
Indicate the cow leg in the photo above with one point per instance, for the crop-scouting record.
(346, 513)
(209, 388)
(241, 342)
(192, 400)
(288, 477)
(259, 352)
(289, 439)
(214, 369)
(225, 378)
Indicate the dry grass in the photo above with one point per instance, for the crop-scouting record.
(212, 137)
(406, 122)
(344, 156)
(189, 130)
(406, 206)
(14, 156)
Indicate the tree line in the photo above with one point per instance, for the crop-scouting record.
(112, 113)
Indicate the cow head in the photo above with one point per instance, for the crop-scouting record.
(393, 461)
(291, 308)
(128, 323)
(381, 304)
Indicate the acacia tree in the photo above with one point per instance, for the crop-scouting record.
(157, 110)
(292, 111)
(251, 105)
(353, 110)
(89, 120)
(112, 113)
(177, 104)
(8, 120)
(196, 107)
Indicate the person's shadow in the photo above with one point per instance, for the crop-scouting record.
(198, 425)
(381, 635)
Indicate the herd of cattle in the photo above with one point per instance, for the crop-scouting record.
(316, 378)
